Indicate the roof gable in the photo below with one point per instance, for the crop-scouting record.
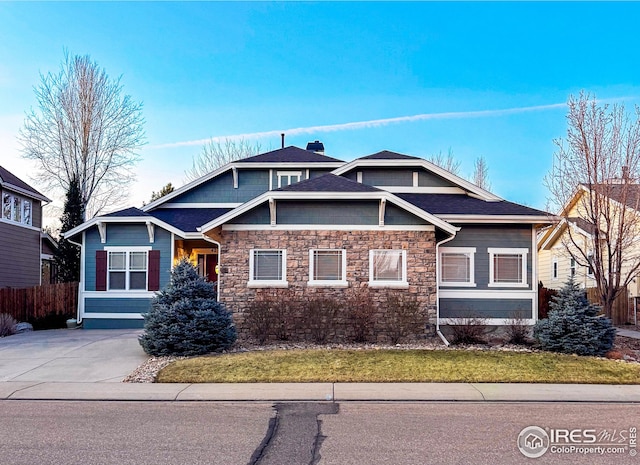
(388, 155)
(13, 182)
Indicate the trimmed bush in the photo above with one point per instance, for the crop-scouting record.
(185, 318)
(518, 331)
(404, 317)
(361, 311)
(573, 326)
(471, 330)
(319, 318)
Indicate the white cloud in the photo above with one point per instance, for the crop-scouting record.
(366, 124)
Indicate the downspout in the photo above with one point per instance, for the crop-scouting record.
(438, 332)
(208, 239)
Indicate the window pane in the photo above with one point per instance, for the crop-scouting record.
(327, 265)
(387, 265)
(138, 261)
(117, 279)
(26, 211)
(138, 280)
(456, 268)
(17, 210)
(6, 206)
(117, 260)
(507, 268)
(267, 265)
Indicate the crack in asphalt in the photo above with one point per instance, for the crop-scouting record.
(294, 435)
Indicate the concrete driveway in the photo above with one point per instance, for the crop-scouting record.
(70, 355)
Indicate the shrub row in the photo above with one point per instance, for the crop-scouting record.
(278, 315)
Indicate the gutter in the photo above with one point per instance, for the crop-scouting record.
(438, 332)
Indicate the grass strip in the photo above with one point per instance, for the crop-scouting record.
(387, 366)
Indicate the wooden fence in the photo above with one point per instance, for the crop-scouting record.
(620, 314)
(38, 302)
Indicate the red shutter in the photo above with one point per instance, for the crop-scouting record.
(153, 279)
(101, 270)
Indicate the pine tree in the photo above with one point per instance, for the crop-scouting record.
(67, 256)
(573, 325)
(186, 318)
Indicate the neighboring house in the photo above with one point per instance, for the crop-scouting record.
(299, 220)
(20, 237)
(556, 262)
(47, 255)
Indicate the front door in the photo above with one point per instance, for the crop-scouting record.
(207, 266)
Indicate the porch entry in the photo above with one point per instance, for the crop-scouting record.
(207, 264)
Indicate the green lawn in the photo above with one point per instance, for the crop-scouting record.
(386, 366)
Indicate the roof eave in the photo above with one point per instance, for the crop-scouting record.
(20, 190)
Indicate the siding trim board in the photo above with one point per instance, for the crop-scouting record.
(323, 227)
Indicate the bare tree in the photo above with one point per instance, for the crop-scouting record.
(594, 184)
(84, 129)
(215, 154)
(481, 174)
(447, 162)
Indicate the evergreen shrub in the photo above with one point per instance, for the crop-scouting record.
(573, 326)
(185, 318)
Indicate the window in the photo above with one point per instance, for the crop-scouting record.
(286, 178)
(508, 267)
(16, 209)
(554, 268)
(590, 264)
(572, 268)
(127, 270)
(387, 267)
(267, 267)
(327, 267)
(457, 266)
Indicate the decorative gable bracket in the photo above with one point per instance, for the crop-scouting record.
(151, 230)
(381, 211)
(272, 211)
(102, 229)
(234, 170)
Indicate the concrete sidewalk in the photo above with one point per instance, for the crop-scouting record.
(338, 392)
(89, 365)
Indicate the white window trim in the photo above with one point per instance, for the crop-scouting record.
(259, 283)
(508, 251)
(328, 283)
(288, 174)
(554, 268)
(22, 200)
(470, 251)
(127, 271)
(399, 284)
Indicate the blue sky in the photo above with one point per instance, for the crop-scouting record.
(222, 69)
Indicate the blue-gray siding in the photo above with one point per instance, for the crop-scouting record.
(251, 183)
(127, 235)
(338, 212)
(485, 308)
(116, 305)
(398, 177)
(122, 323)
(502, 236)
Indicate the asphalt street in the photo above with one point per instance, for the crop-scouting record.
(324, 433)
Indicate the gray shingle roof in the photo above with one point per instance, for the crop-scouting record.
(127, 212)
(460, 204)
(290, 154)
(9, 178)
(329, 183)
(387, 155)
(188, 219)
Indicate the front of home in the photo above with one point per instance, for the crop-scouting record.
(300, 221)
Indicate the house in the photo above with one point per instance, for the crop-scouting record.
(302, 221)
(566, 249)
(20, 238)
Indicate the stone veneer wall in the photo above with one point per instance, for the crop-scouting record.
(421, 273)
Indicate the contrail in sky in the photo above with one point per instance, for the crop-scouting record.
(365, 124)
